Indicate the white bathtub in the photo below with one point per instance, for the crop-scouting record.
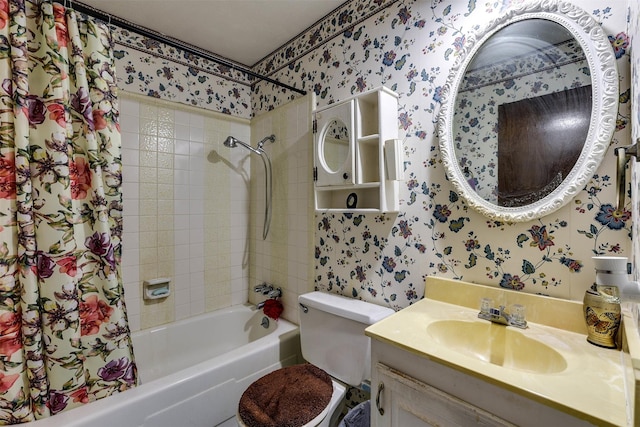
(193, 372)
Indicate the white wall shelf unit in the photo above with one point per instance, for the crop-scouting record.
(357, 156)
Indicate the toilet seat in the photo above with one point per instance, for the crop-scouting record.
(299, 392)
(325, 418)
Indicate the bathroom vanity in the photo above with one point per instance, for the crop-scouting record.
(437, 363)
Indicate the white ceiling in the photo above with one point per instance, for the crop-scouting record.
(244, 31)
(519, 39)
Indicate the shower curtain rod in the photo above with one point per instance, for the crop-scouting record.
(130, 26)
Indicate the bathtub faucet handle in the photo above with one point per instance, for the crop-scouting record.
(263, 288)
(275, 293)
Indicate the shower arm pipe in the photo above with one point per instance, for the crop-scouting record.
(257, 151)
(170, 41)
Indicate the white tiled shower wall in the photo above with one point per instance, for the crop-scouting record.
(286, 258)
(194, 209)
(186, 209)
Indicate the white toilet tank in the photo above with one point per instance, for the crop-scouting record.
(332, 334)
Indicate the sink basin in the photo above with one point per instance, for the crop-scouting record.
(497, 344)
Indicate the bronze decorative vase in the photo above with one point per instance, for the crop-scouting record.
(602, 313)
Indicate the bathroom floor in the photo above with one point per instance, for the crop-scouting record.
(354, 397)
(231, 422)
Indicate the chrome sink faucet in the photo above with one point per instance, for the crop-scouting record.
(499, 314)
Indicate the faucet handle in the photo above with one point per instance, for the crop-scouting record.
(518, 315)
(275, 293)
(485, 305)
(263, 288)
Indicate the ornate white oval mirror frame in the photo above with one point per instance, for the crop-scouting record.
(604, 82)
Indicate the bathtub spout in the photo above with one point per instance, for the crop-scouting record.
(260, 305)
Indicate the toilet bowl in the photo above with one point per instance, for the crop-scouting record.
(338, 354)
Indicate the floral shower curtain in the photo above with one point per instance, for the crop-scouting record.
(64, 337)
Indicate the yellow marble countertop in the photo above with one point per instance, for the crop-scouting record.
(592, 387)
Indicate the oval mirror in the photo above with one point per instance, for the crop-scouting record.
(335, 146)
(529, 110)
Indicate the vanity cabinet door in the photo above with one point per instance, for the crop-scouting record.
(334, 159)
(405, 401)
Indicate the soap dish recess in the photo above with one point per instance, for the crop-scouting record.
(156, 288)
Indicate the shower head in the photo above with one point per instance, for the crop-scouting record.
(230, 142)
(233, 142)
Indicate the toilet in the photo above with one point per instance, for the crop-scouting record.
(338, 355)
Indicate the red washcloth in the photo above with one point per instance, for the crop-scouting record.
(273, 308)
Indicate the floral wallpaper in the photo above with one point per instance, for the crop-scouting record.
(345, 17)
(148, 67)
(409, 47)
(151, 68)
